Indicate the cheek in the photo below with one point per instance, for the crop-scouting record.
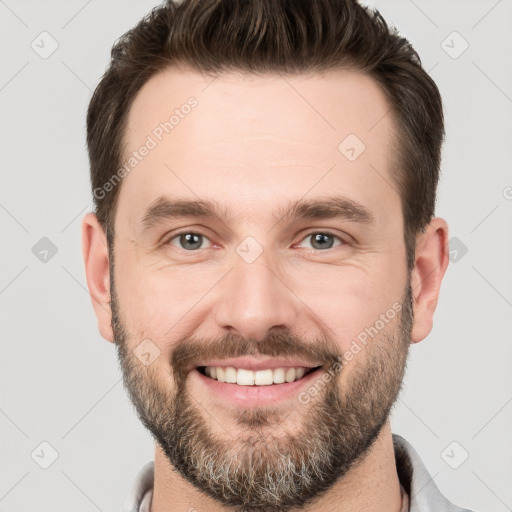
(348, 301)
(156, 302)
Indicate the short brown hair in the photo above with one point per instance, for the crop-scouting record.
(275, 36)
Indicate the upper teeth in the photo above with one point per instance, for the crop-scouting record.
(250, 378)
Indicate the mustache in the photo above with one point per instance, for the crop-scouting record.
(191, 350)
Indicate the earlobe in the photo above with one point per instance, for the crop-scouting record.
(95, 254)
(431, 261)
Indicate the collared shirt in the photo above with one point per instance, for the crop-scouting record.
(419, 492)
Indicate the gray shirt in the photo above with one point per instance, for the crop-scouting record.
(420, 493)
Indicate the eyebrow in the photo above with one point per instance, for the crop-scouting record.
(315, 209)
(327, 208)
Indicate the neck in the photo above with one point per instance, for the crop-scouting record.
(372, 486)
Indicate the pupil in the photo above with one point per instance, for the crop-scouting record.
(320, 239)
(193, 241)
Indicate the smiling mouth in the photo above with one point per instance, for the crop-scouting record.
(266, 377)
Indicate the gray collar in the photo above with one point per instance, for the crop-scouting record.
(424, 495)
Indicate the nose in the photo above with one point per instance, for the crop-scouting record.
(255, 300)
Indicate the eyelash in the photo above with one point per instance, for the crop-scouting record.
(307, 235)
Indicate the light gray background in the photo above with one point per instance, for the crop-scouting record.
(59, 379)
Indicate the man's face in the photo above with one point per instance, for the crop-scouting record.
(322, 287)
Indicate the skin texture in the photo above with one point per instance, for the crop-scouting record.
(253, 145)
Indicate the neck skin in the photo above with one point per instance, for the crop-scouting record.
(372, 486)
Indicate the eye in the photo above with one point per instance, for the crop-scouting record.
(189, 241)
(322, 240)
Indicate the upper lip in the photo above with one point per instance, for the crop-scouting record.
(250, 363)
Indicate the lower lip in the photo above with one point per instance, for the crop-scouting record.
(252, 396)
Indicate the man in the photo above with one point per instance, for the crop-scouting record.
(264, 251)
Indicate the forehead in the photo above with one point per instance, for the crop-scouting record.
(247, 138)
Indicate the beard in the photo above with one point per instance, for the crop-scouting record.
(264, 464)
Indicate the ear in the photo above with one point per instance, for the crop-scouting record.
(95, 254)
(431, 261)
